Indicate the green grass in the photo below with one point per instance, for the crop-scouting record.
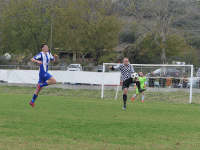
(78, 122)
(166, 97)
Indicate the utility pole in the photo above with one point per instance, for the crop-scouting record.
(51, 32)
(51, 29)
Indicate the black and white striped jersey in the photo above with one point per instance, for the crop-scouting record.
(126, 71)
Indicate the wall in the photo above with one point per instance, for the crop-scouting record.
(32, 76)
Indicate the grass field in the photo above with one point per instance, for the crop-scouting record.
(78, 122)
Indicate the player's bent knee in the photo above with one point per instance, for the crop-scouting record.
(125, 91)
(54, 81)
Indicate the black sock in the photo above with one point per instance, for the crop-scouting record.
(124, 98)
(138, 84)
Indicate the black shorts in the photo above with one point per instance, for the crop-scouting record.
(127, 83)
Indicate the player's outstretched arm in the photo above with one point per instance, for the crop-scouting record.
(111, 67)
(56, 57)
(115, 67)
(37, 61)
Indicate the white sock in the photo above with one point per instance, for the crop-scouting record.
(134, 95)
(143, 97)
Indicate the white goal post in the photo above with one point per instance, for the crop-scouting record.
(148, 68)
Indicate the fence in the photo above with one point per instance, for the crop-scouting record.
(196, 83)
(27, 67)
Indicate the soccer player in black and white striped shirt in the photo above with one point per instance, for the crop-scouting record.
(126, 71)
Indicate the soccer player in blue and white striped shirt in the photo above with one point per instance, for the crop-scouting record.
(43, 58)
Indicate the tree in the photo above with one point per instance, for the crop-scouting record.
(193, 26)
(83, 30)
(68, 19)
(25, 25)
(147, 51)
(161, 18)
(102, 37)
(194, 40)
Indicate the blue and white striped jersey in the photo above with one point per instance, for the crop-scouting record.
(45, 58)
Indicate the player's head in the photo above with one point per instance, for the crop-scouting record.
(44, 48)
(141, 74)
(126, 61)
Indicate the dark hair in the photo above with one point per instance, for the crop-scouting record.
(43, 45)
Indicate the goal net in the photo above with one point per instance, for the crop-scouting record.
(164, 83)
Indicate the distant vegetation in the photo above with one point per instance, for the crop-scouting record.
(151, 31)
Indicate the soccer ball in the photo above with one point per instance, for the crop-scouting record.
(134, 76)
